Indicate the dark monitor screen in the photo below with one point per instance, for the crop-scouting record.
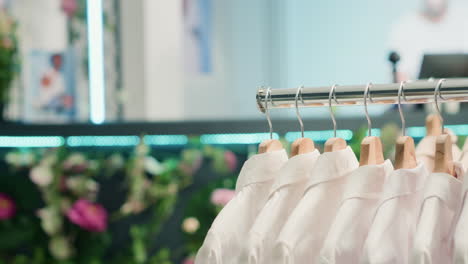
(444, 66)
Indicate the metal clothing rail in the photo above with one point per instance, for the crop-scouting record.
(415, 92)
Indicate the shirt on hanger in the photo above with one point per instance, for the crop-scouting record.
(229, 230)
(461, 232)
(349, 230)
(464, 155)
(284, 196)
(391, 234)
(302, 235)
(433, 240)
(425, 150)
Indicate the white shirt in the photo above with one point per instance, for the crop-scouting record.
(229, 230)
(349, 230)
(286, 192)
(461, 232)
(433, 240)
(464, 156)
(391, 234)
(302, 235)
(425, 151)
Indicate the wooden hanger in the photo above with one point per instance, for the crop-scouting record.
(301, 145)
(334, 143)
(405, 151)
(271, 144)
(433, 125)
(371, 147)
(443, 160)
(371, 151)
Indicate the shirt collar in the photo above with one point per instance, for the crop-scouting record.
(405, 181)
(296, 169)
(368, 181)
(261, 168)
(331, 165)
(446, 187)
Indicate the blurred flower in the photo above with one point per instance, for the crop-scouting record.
(6, 22)
(81, 185)
(7, 207)
(142, 149)
(69, 7)
(152, 166)
(231, 160)
(189, 260)
(41, 175)
(221, 197)
(116, 161)
(60, 247)
(51, 220)
(191, 161)
(76, 163)
(132, 207)
(89, 216)
(20, 158)
(190, 225)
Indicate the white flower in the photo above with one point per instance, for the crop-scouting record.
(153, 166)
(116, 161)
(51, 220)
(190, 225)
(60, 247)
(19, 159)
(41, 175)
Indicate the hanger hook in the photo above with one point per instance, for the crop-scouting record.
(330, 95)
(437, 94)
(299, 94)
(267, 110)
(401, 93)
(367, 96)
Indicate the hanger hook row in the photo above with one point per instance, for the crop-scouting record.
(401, 93)
(330, 95)
(296, 99)
(368, 96)
(437, 94)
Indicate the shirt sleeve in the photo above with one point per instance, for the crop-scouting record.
(210, 252)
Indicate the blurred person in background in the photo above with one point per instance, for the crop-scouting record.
(437, 27)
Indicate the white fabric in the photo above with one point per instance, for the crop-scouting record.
(464, 156)
(302, 235)
(425, 151)
(390, 237)
(433, 240)
(229, 230)
(461, 232)
(349, 230)
(284, 196)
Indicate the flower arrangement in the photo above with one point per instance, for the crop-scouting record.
(54, 209)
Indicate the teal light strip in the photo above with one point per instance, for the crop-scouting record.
(102, 141)
(416, 132)
(375, 132)
(320, 136)
(250, 138)
(165, 140)
(31, 141)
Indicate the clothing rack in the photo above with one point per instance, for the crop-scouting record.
(414, 92)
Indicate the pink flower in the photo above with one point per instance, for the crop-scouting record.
(189, 260)
(231, 160)
(7, 207)
(221, 197)
(69, 7)
(89, 216)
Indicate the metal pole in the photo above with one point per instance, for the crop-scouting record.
(416, 92)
